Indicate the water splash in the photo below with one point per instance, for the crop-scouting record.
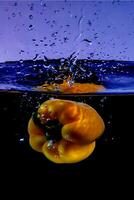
(26, 75)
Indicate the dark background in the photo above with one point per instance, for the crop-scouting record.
(109, 160)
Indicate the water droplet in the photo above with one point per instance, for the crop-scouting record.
(48, 22)
(21, 51)
(32, 6)
(35, 57)
(43, 4)
(13, 14)
(54, 34)
(30, 16)
(20, 14)
(53, 44)
(65, 39)
(21, 61)
(56, 11)
(31, 27)
(95, 37)
(15, 4)
(91, 55)
(88, 41)
(53, 21)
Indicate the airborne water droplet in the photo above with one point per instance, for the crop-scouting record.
(32, 6)
(35, 57)
(21, 51)
(88, 41)
(21, 61)
(13, 14)
(31, 27)
(89, 23)
(30, 16)
(15, 4)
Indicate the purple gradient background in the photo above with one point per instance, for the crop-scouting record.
(60, 28)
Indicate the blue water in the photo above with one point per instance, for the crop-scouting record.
(116, 76)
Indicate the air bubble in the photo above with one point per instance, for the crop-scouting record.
(50, 144)
(21, 139)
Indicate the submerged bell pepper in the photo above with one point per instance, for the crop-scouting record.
(65, 131)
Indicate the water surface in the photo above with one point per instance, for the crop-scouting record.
(116, 76)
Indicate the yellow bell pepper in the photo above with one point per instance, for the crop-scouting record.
(65, 131)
